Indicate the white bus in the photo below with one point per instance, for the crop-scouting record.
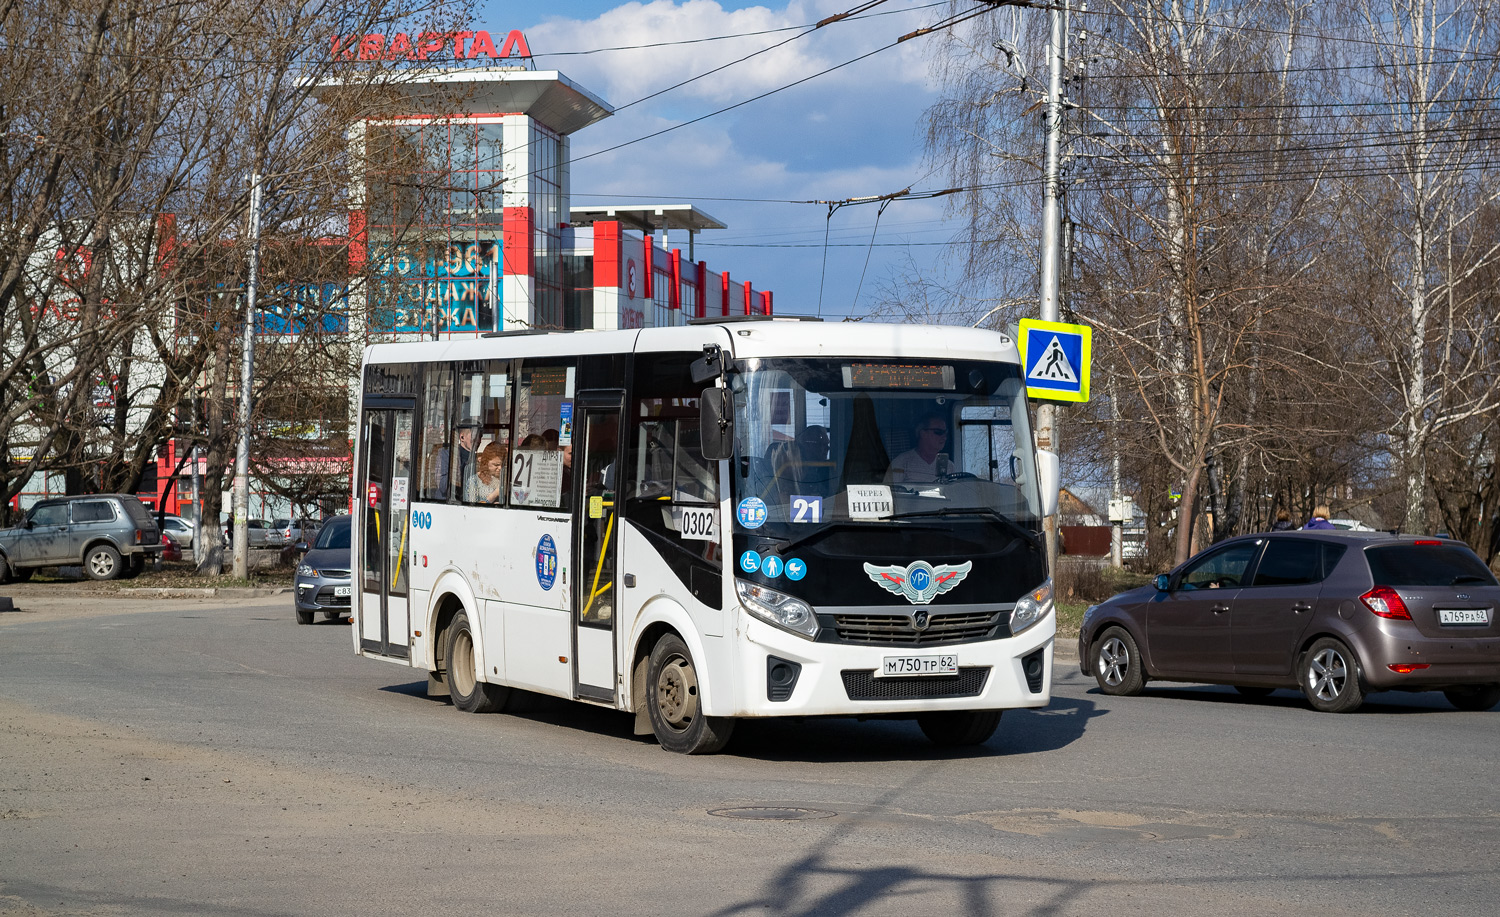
(736, 518)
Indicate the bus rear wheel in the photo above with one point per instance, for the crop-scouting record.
(673, 702)
(469, 693)
(953, 729)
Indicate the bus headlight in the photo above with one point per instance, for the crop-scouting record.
(779, 609)
(1033, 607)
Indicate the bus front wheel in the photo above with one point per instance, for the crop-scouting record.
(469, 693)
(673, 702)
(957, 728)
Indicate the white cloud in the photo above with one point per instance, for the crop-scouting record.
(623, 76)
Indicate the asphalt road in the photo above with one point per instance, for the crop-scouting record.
(211, 757)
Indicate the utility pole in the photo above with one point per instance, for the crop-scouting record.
(1116, 498)
(1046, 415)
(247, 372)
(197, 489)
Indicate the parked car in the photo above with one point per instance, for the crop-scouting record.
(295, 530)
(179, 530)
(1336, 614)
(261, 534)
(322, 581)
(110, 535)
(170, 550)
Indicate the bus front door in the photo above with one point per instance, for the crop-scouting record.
(383, 622)
(596, 450)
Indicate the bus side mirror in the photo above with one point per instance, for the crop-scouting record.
(1048, 480)
(715, 422)
(708, 367)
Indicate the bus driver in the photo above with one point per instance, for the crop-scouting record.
(927, 462)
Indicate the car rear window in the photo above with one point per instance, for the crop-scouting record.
(1427, 565)
(137, 510)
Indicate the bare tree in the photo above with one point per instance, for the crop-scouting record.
(128, 129)
(1425, 200)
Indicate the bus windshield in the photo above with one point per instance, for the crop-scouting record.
(828, 441)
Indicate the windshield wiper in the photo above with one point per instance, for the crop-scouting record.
(1468, 578)
(1031, 537)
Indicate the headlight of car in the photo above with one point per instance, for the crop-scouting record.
(778, 608)
(306, 570)
(1033, 607)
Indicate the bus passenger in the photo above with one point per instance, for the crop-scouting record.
(488, 481)
(466, 433)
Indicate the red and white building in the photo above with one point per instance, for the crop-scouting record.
(462, 212)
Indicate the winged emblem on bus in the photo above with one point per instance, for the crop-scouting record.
(919, 581)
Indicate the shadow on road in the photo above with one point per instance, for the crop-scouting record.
(1399, 702)
(819, 739)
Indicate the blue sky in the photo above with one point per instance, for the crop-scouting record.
(854, 132)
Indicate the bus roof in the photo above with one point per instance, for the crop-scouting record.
(746, 339)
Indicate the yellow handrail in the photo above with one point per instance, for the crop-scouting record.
(594, 590)
(401, 558)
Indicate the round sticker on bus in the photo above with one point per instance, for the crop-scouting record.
(795, 568)
(771, 566)
(546, 562)
(752, 512)
(750, 561)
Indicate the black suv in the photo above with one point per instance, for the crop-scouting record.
(108, 534)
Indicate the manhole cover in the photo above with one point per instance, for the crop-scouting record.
(771, 813)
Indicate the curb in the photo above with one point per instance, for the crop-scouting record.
(237, 592)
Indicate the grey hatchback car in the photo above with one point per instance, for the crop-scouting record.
(1335, 614)
(110, 535)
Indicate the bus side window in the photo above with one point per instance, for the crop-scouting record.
(540, 463)
(484, 425)
(437, 422)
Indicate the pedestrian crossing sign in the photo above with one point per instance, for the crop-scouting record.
(1056, 358)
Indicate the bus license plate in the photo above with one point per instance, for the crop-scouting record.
(341, 591)
(1480, 616)
(919, 665)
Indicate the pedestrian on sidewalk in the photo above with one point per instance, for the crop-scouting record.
(1319, 519)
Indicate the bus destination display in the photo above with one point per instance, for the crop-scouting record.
(898, 375)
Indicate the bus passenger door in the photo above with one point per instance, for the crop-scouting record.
(385, 531)
(596, 455)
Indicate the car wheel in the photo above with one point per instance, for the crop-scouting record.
(1329, 674)
(1252, 691)
(672, 702)
(1473, 697)
(469, 693)
(304, 617)
(1117, 663)
(6, 573)
(102, 562)
(953, 729)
